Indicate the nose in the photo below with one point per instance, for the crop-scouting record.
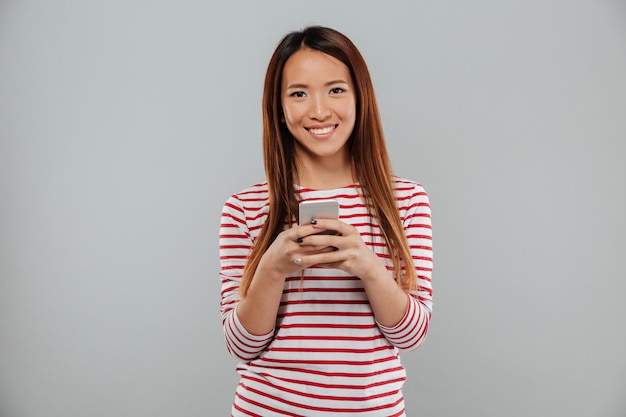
(319, 109)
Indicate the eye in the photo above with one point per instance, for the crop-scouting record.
(297, 94)
(337, 90)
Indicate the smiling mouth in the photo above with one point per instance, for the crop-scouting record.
(322, 131)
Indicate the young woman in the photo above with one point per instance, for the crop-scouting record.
(318, 320)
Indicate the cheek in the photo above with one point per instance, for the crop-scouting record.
(286, 115)
(290, 121)
(291, 116)
(349, 110)
(350, 114)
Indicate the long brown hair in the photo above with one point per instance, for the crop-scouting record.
(371, 164)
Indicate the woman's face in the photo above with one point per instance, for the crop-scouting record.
(319, 105)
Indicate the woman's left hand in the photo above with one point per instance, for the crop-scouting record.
(389, 302)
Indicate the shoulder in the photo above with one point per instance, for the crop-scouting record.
(411, 198)
(252, 199)
(251, 195)
(406, 188)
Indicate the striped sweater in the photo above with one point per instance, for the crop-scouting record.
(327, 355)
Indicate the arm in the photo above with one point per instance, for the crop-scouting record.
(248, 322)
(411, 331)
(402, 317)
(259, 308)
(235, 244)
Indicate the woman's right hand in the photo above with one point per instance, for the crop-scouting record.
(287, 254)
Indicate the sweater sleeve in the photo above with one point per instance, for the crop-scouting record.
(235, 244)
(410, 332)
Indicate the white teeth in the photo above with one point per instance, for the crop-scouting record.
(322, 131)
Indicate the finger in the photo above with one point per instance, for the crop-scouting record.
(324, 240)
(301, 233)
(298, 234)
(338, 226)
(335, 265)
(328, 256)
(324, 249)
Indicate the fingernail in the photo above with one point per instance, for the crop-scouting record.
(299, 240)
(313, 221)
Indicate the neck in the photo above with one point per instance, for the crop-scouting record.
(325, 174)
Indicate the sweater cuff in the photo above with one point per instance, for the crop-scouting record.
(404, 334)
(241, 343)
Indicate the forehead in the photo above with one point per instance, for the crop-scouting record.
(311, 64)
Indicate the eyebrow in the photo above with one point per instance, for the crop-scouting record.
(329, 83)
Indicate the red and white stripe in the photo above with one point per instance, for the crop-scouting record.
(327, 354)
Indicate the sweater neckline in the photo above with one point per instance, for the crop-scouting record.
(301, 188)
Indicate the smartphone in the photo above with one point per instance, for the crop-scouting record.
(319, 209)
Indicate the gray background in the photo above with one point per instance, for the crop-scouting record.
(125, 125)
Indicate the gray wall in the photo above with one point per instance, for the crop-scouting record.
(124, 126)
